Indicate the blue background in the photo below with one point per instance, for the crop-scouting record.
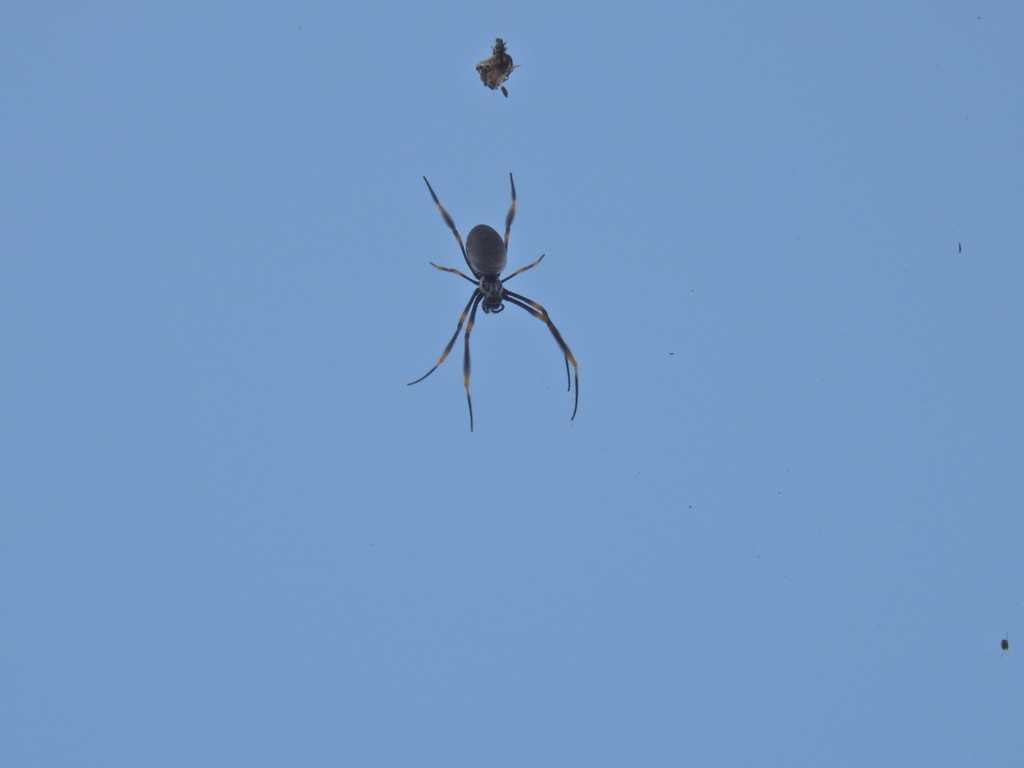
(784, 241)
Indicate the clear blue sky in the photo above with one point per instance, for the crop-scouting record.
(785, 243)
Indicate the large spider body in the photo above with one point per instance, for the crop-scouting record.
(486, 253)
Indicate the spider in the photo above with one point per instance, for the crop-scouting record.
(496, 70)
(485, 254)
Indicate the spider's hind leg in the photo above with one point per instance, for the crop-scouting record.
(465, 358)
(541, 314)
(476, 296)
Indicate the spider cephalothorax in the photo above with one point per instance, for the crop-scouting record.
(494, 294)
(485, 252)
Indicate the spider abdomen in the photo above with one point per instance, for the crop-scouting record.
(485, 250)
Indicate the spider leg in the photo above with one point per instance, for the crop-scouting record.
(456, 272)
(465, 357)
(450, 223)
(540, 313)
(475, 297)
(512, 208)
(520, 271)
(568, 381)
(568, 378)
